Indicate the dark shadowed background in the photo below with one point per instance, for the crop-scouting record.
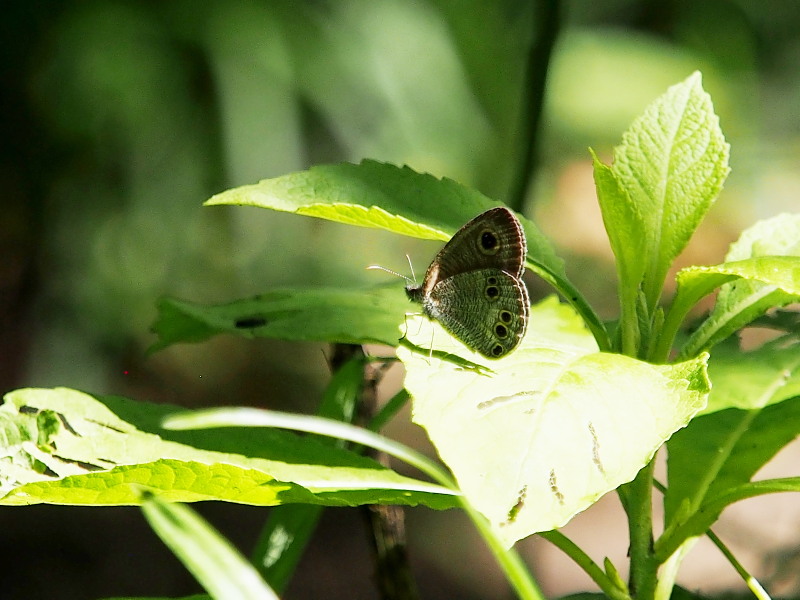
(120, 118)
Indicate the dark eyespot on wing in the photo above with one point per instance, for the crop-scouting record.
(489, 242)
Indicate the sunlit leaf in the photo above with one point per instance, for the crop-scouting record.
(754, 379)
(623, 224)
(672, 163)
(556, 424)
(108, 449)
(373, 194)
(772, 275)
(773, 283)
(753, 412)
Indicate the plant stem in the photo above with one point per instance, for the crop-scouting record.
(516, 571)
(629, 325)
(546, 21)
(639, 507)
(568, 547)
(752, 583)
(659, 351)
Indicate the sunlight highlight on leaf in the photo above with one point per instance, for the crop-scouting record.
(554, 427)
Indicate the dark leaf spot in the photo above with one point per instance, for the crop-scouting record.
(250, 322)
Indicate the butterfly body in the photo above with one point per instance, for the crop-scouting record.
(473, 287)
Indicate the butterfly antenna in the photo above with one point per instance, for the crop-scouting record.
(410, 266)
(380, 268)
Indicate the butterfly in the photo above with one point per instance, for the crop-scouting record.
(473, 287)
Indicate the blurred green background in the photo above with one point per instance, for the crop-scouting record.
(121, 118)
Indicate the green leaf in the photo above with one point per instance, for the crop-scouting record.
(214, 562)
(347, 316)
(554, 427)
(623, 224)
(776, 236)
(754, 379)
(722, 449)
(711, 461)
(772, 275)
(775, 284)
(672, 163)
(110, 448)
(383, 196)
(373, 194)
(289, 528)
(255, 417)
(284, 540)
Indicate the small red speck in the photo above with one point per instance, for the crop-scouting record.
(125, 372)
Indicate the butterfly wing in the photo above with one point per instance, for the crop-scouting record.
(492, 239)
(487, 309)
(473, 286)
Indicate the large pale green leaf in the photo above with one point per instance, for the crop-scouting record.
(753, 412)
(741, 301)
(68, 447)
(373, 194)
(348, 316)
(672, 163)
(554, 426)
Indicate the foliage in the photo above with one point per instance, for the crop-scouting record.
(579, 410)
